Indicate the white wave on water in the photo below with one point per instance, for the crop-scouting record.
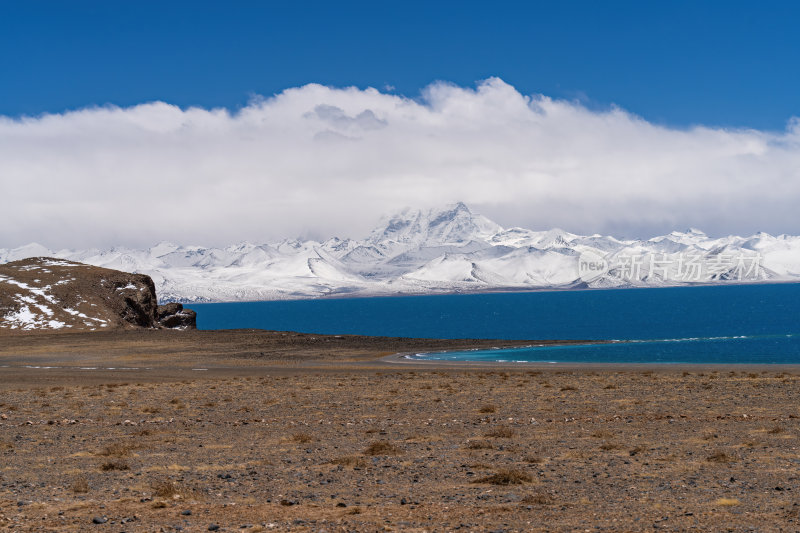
(691, 339)
(710, 349)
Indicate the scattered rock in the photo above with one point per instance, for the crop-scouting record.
(174, 316)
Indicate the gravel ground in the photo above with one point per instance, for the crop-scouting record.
(317, 443)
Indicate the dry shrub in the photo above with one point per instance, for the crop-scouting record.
(719, 457)
(727, 502)
(165, 488)
(506, 477)
(80, 485)
(602, 434)
(479, 444)
(579, 453)
(349, 460)
(116, 449)
(501, 433)
(382, 447)
(302, 438)
(568, 388)
(775, 430)
(178, 403)
(168, 489)
(608, 446)
(114, 465)
(488, 408)
(538, 498)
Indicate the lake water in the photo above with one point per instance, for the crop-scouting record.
(710, 324)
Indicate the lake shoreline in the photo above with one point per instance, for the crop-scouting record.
(41, 358)
(742, 324)
(403, 359)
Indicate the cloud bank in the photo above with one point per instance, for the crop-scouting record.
(317, 161)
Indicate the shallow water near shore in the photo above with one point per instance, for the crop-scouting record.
(760, 349)
(710, 324)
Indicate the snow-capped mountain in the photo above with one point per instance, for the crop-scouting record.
(442, 250)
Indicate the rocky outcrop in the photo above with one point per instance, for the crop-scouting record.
(54, 294)
(174, 316)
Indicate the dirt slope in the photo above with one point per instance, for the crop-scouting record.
(42, 293)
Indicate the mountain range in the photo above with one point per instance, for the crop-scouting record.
(449, 249)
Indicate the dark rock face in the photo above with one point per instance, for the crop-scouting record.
(140, 302)
(174, 316)
(140, 305)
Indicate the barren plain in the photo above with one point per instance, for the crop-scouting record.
(274, 431)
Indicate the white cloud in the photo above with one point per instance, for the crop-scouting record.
(320, 161)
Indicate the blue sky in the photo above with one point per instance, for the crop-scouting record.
(230, 121)
(675, 63)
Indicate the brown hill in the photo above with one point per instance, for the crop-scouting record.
(54, 294)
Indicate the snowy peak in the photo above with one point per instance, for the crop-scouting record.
(459, 225)
(33, 249)
(404, 226)
(163, 248)
(689, 237)
(454, 224)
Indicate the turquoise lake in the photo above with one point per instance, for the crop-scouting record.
(708, 324)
